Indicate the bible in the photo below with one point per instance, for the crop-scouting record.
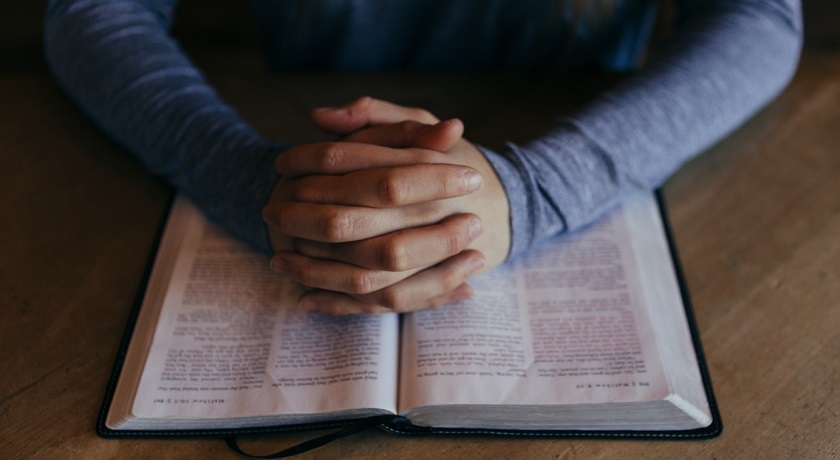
(589, 335)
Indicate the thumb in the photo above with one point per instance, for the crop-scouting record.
(409, 134)
(364, 112)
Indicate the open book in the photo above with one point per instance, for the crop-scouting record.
(590, 334)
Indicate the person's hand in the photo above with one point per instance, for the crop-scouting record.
(397, 126)
(362, 250)
(382, 227)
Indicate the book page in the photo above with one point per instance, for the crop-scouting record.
(669, 324)
(230, 342)
(566, 325)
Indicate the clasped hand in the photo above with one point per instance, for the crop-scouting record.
(395, 216)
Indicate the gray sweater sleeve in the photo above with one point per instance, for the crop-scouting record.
(117, 60)
(725, 60)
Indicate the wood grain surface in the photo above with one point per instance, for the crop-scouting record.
(756, 221)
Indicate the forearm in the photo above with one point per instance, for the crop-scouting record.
(117, 60)
(724, 62)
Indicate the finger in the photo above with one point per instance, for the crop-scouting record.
(420, 290)
(441, 136)
(427, 288)
(402, 250)
(336, 303)
(366, 111)
(338, 224)
(333, 276)
(389, 187)
(345, 157)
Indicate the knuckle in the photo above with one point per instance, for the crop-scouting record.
(393, 299)
(360, 108)
(332, 156)
(275, 214)
(283, 223)
(338, 227)
(394, 256)
(452, 243)
(408, 130)
(432, 157)
(391, 190)
(308, 189)
(431, 212)
(424, 116)
(362, 103)
(298, 191)
(303, 274)
(438, 302)
(301, 194)
(362, 283)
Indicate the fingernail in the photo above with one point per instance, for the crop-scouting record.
(462, 292)
(473, 180)
(475, 228)
(476, 265)
(266, 215)
(306, 304)
(278, 264)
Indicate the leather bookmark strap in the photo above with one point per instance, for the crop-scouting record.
(358, 426)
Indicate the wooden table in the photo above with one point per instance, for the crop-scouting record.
(756, 221)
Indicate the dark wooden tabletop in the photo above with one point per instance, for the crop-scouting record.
(756, 221)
